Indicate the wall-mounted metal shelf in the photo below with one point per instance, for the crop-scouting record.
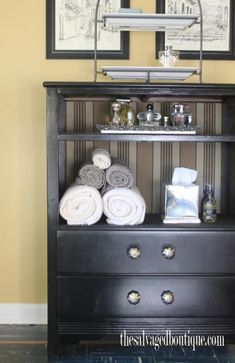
(148, 22)
(150, 73)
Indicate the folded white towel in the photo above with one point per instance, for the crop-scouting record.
(81, 205)
(101, 158)
(124, 206)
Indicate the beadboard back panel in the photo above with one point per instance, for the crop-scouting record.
(152, 163)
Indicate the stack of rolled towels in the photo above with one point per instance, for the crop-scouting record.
(103, 186)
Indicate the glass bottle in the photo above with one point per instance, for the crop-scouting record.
(165, 121)
(116, 107)
(149, 117)
(179, 116)
(209, 206)
(203, 199)
(126, 113)
(168, 57)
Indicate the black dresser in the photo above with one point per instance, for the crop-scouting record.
(104, 279)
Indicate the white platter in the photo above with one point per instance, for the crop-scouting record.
(150, 73)
(155, 22)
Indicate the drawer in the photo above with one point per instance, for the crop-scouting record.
(145, 252)
(83, 297)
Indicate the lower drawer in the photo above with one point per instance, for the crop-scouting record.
(145, 297)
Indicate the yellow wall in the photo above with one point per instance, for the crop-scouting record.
(23, 68)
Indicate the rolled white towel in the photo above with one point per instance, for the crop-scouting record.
(124, 206)
(101, 158)
(81, 205)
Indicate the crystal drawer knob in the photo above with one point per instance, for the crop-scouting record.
(168, 252)
(134, 252)
(167, 297)
(133, 297)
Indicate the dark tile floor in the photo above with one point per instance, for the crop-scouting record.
(27, 344)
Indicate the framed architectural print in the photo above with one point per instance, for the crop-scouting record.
(70, 30)
(218, 29)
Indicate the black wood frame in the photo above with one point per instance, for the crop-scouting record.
(52, 53)
(193, 54)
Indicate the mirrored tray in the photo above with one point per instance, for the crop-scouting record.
(149, 73)
(142, 129)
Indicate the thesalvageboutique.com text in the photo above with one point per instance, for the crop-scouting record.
(170, 340)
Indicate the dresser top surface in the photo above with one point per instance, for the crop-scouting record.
(138, 89)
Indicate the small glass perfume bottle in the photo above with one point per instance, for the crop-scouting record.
(180, 117)
(116, 106)
(149, 117)
(126, 113)
(165, 121)
(123, 114)
(209, 205)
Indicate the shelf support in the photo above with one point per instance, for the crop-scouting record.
(201, 39)
(95, 40)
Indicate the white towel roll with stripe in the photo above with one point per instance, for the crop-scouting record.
(101, 158)
(81, 205)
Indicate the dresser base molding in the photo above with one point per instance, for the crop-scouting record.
(195, 326)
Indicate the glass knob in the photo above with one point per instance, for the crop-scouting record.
(167, 297)
(134, 252)
(133, 297)
(168, 252)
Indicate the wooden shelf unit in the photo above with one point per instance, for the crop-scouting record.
(89, 271)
